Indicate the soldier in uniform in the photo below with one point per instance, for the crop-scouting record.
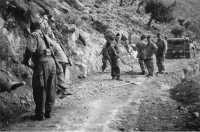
(140, 46)
(60, 56)
(149, 51)
(44, 73)
(62, 64)
(160, 54)
(113, 53)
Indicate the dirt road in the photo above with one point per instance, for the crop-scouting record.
(100, 104)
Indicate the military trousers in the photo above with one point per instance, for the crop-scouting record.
(44, 86)
(115, 70)
(62, 84)
(104, 62)
(149, 65)
(160, 63)
(142, 64)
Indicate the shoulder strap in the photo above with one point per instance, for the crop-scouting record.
(45, 40)
(52, 52)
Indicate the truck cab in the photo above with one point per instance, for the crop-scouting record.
(180, 48)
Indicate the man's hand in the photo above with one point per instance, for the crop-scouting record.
(69, 63)
(27, 64)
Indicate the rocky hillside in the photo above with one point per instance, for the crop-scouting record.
(90, 19)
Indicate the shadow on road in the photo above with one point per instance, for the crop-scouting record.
(132, 73)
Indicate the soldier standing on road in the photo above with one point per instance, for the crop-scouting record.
(44, 73)
(160, 54)
(113, 53)
(140, 46)
(63, 62)
(149, 51)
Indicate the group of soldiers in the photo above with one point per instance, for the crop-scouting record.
(146, 51)
(145, 48)
(49, 63)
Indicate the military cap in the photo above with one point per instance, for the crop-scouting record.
(142, 37)
(109, 35)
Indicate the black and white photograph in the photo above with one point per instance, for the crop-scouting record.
(99, 65)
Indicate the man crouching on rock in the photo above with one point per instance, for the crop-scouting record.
(44, 73)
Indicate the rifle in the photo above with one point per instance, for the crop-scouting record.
(52, 52)
(61, 45)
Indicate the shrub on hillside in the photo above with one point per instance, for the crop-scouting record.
(195, 28)
(99, 26)
(177, 31)
(181, 21)
(159, 11)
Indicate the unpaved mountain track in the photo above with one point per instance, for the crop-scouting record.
(91, 108)
(100, 104)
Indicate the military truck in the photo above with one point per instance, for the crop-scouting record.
(180, 48)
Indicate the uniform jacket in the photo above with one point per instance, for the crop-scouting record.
(104, 52)
(113, 52)
(140, 46)
(36, 49)
(150, 50)
(162, 48)
(60, 55)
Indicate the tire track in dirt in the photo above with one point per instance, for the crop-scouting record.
(98, 105)
(91, 108)
(104, 110)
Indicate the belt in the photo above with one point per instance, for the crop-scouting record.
(41, 58)
(44, 56)
(45, 59)
(45, 52)
(148, 59)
